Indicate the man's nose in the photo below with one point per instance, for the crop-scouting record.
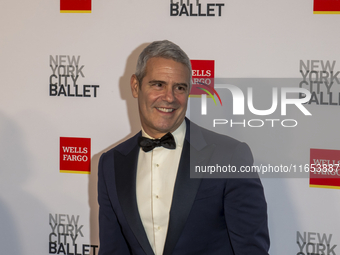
(169, 95)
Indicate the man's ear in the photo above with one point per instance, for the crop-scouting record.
(134, 86)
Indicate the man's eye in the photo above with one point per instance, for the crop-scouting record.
(182, 88)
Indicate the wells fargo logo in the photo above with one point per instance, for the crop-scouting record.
(203, 72)
(75, 155)
(326, 7)
(324, 168)
(75, 6)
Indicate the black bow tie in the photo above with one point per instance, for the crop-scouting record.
(167, 141)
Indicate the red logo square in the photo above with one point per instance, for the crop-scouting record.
(75, 6)
(324, 168)
(203, 73)
(326, 7)
(75, 155)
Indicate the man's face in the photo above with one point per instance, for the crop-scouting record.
(162, 96)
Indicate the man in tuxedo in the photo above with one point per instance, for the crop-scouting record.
(148, 202)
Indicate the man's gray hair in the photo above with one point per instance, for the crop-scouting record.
(162, 49)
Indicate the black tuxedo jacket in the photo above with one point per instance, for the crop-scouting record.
(207, 216)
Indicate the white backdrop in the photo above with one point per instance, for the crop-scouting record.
(251, 39)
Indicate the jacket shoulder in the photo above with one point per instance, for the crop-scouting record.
(212, 137)
(124, 147)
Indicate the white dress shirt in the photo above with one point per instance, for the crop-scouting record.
(156, 176)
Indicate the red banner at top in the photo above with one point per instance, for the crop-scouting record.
(75, 6)
(326, 6)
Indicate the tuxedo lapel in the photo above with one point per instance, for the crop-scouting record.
(194, 153)
(125, 170)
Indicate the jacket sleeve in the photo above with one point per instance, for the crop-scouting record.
(111, 237)
(245, 208)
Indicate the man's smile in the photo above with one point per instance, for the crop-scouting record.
(165, 109)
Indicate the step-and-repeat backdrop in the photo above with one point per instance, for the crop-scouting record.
(264, 72)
